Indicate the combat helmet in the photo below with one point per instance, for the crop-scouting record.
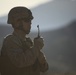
(19, 12)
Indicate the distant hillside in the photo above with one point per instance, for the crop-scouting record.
(60, 47)
(51, 15)
(4, 30)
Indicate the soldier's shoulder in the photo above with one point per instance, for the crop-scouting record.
(9, 37)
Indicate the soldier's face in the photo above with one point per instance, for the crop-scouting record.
(27, 26)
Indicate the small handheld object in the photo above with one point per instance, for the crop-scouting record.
(38, 31)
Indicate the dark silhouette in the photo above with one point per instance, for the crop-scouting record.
(60, 44)
(20, 55)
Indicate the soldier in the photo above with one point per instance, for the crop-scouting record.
(21, 55)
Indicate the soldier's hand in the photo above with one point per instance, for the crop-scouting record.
(39, 43)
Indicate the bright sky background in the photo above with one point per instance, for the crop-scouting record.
(6, 5)
(49, 14)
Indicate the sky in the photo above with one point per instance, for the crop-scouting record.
(6, 5)
(49, 14)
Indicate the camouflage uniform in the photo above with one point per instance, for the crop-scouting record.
(20, 57)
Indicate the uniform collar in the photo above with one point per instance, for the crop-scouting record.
(19, 35)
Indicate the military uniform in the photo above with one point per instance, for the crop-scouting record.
(20, 57)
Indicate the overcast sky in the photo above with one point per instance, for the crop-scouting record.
(6, 5)
(49, 14)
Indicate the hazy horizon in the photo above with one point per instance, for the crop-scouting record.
(50, 15)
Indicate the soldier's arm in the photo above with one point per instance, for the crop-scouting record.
(39, 43)
(43, 62)
(17, 56)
